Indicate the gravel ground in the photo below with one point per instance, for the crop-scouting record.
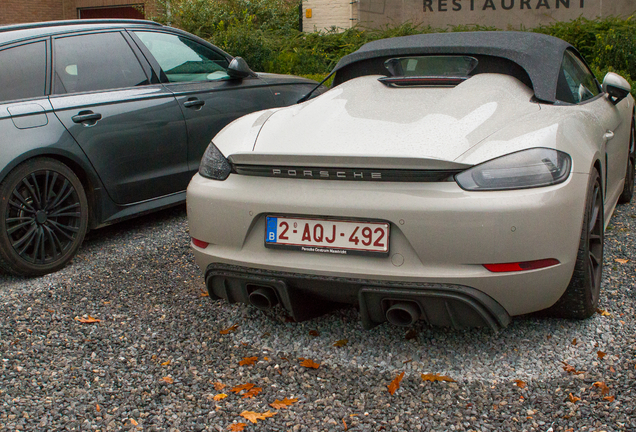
(152, 361)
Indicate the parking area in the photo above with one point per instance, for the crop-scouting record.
(162, 352)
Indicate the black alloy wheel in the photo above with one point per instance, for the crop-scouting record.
(628, 189)
(44, 217)
(580, 299)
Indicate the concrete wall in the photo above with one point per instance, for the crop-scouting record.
(503, 14)
(326, 14)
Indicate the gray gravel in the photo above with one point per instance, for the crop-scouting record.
(140, 280)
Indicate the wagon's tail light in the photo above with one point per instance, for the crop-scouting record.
(521, 266)
(530, 168)
(214, 165)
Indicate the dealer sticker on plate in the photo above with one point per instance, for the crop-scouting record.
(343, 237)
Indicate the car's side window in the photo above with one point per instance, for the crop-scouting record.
(95, 62)
(576, 82)
(182, 59)
(23, 71)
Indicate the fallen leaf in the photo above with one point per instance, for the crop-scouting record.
(313, 333)
(252, 392)
(219, 397)
(242, 387)
(89, 320)
(278, 404)
(573, 398)
(345, 424)
(549, 336)
(254, 416)
(218, 386)
(229, 329)
(50, 310)
(308, 363)
(574, 341)
(604, 388)
(609, 398)
(243, 343)
(520, 384)
(133, 422)
(621, 260)
(341, 343)
(411, 334)
(248, 361)
(603, 312)
(434, 377)
(166, 363)
(601, 354)
(395, 384)
(407, 361)
(237, 427)
(612, 370)
(204, 294)
(168, 379)
(571, 369)
(98, 408)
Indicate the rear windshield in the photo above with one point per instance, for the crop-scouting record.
(431, 66)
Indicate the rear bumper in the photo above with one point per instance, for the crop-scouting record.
(307, 296)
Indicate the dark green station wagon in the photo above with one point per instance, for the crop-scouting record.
(101, 120)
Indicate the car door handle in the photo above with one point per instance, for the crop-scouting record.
(86, 116)
(608, 135)
(193, 103)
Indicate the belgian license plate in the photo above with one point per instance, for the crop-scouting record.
(343, 237)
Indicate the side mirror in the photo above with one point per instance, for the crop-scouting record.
(616, 87)
(238, 68)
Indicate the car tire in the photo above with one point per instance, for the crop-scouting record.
(43, 217)
(580, 299)
(628, 189)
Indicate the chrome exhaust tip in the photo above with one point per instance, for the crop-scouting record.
(403, 314)
(263, 298)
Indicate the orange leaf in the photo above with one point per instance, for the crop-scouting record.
(266, 358)
(341, 343)
(133, 422)
(345, 424)
(574, 341)
(204, 294)
(310, 364)
(571, 369)
(609, 398)
(97, 407)
(278, 404)
(248, 361)
(601, 354)
(229, 329)
(434, 377)
(89, 320)
(604, 388)
(252, 392)
(395, 384)
(242, 387)
(219, 397)
(612, 370)
(603, 312)
(573, 398)
(520, 384)
(621, 260)
(254, 416)
(313, 333)
(168, 379)
(166, 363)
(237, 427)
(218, 386)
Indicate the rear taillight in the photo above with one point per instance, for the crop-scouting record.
(200, 243)
(521, 266)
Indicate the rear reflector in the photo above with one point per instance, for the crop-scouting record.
(200, 243)
(521, 266)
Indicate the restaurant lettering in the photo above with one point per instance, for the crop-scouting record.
(458, 5)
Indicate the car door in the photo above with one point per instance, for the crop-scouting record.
(197, 75)
(129, 125)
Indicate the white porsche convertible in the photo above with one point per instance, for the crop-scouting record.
(459, 178)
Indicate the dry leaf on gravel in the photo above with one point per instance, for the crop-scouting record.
(98, 408)
(218, 386)
(345, 424)
(242, 387)
(89, 320)
(133, 422)
(434, 377)
(574, 341)
(248, 361)
(520, 384)
(254, 416)
(278, 404)
(219, 397)
(601, 385)
(308, 363)
(229, 329)
(341, 343)
(600, 354)
(166, 363)
(603, 312)
(204, 294)
(395, 384)
(573, 398)
(252, 392)
(237, 427)
(571, 369)
(313, 333)
(621, 260)
(168, 379)
(609, 398)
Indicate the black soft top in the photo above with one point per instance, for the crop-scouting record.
(538, 54)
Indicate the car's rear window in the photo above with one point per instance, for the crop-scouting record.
(23, 71)
(431, 66)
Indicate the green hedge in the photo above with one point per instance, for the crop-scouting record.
(265, 33)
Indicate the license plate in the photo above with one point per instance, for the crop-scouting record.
(343, 237)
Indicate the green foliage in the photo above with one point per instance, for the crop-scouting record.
(266, 34)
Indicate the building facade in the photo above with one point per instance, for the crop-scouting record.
(22, 11)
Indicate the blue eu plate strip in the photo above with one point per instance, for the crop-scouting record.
(272, 224)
